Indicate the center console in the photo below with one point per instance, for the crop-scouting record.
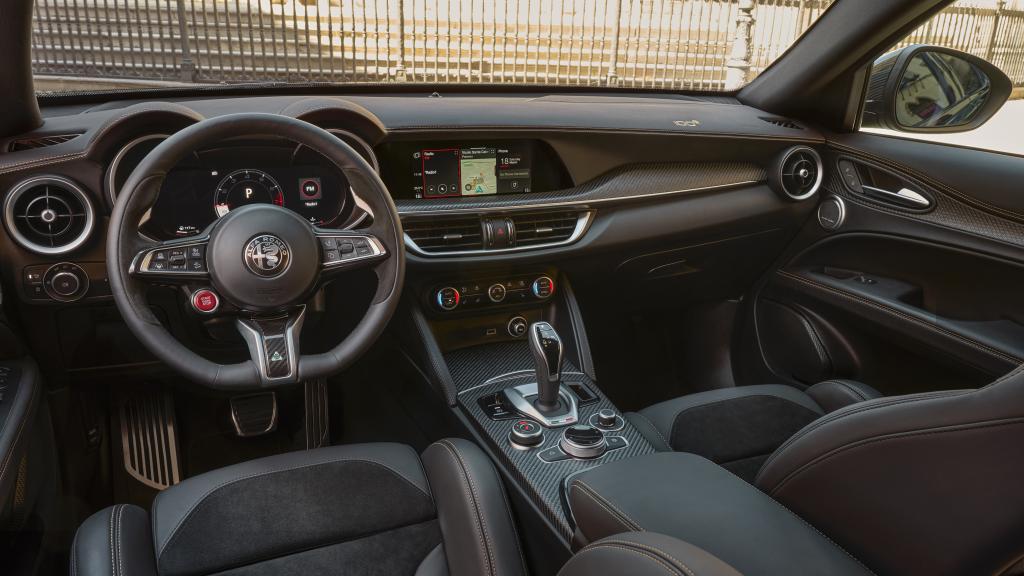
(517, 371)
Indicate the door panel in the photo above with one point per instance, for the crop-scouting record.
(903, 296)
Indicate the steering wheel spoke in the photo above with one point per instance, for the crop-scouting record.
(172, 262)
(343, 251)
(274, 344)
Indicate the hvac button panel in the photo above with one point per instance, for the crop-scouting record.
(475, 295)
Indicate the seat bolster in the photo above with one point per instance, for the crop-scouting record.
(115, 541)
(663, 415)
(645, 554)
(834, 394)
(476, 523)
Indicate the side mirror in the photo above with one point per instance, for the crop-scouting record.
(924, 88)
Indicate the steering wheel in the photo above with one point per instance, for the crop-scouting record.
(264, 261)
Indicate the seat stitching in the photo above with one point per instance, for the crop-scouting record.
(655, 427)
(120, 546)
(820, 533)
(892, 311)
(174, 532)
(74, 555)
(653, 550)
(110, 523)
(855, 409)
(665, 565)
(969, 426)
(474, 499)
(623, 518)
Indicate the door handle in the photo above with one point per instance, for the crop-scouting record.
(904, 197)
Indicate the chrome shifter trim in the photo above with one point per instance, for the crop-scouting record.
(517, 397)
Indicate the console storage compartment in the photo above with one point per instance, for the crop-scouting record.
(691, 498)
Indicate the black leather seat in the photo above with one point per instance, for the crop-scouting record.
(738, 428)
(918, 484)
(356, 509)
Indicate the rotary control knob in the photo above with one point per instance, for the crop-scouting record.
(65, 282)
(496, 293)
(526, 433)
(543, 287)
(448, 298)
(517, 327)
(607, 418)
(583, 441)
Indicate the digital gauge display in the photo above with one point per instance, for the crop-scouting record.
(244, 187)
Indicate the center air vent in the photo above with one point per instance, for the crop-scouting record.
(797, 173)
(48, 215)
(452, 235)
(544, 228)
(444, 234)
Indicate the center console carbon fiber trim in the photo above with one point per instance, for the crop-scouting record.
(488, 369)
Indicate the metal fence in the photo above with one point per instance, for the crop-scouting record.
(675, 44)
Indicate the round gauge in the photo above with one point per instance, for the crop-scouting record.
(244, 187)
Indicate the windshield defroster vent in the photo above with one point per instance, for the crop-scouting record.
(48, 215)
(39, 142)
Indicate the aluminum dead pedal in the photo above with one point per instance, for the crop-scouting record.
(149, 440)
(254, 414)
(318, 424)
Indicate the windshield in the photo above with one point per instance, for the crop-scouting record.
(708, 45)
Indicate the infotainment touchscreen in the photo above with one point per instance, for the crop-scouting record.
(471, 170)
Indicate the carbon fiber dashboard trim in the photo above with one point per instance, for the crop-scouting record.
(947, 212)
(629, 183)
(488, 369)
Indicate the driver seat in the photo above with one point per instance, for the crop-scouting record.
(354, 509)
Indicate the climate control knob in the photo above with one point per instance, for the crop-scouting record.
(448, 298)
(526, 433)
(496, 293)
(543, 287)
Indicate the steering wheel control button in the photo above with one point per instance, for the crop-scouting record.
(583, 441)
(448, 298)
(526, 433)
(205, 301)
(344, 249)
(65, 282)
(543, 287)
(517, 327)
(496, 293)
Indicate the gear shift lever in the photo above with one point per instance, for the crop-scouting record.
(547, 353)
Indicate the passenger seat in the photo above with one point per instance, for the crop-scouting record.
(738, 428)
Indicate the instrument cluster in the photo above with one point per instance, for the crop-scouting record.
(211, 182)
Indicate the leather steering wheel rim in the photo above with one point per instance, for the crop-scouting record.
(124, 243)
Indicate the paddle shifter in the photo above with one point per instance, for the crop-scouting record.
(547, 354)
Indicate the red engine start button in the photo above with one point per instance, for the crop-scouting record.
(205, 301)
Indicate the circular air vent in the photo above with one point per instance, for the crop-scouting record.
(48, 215)
(798, 173)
